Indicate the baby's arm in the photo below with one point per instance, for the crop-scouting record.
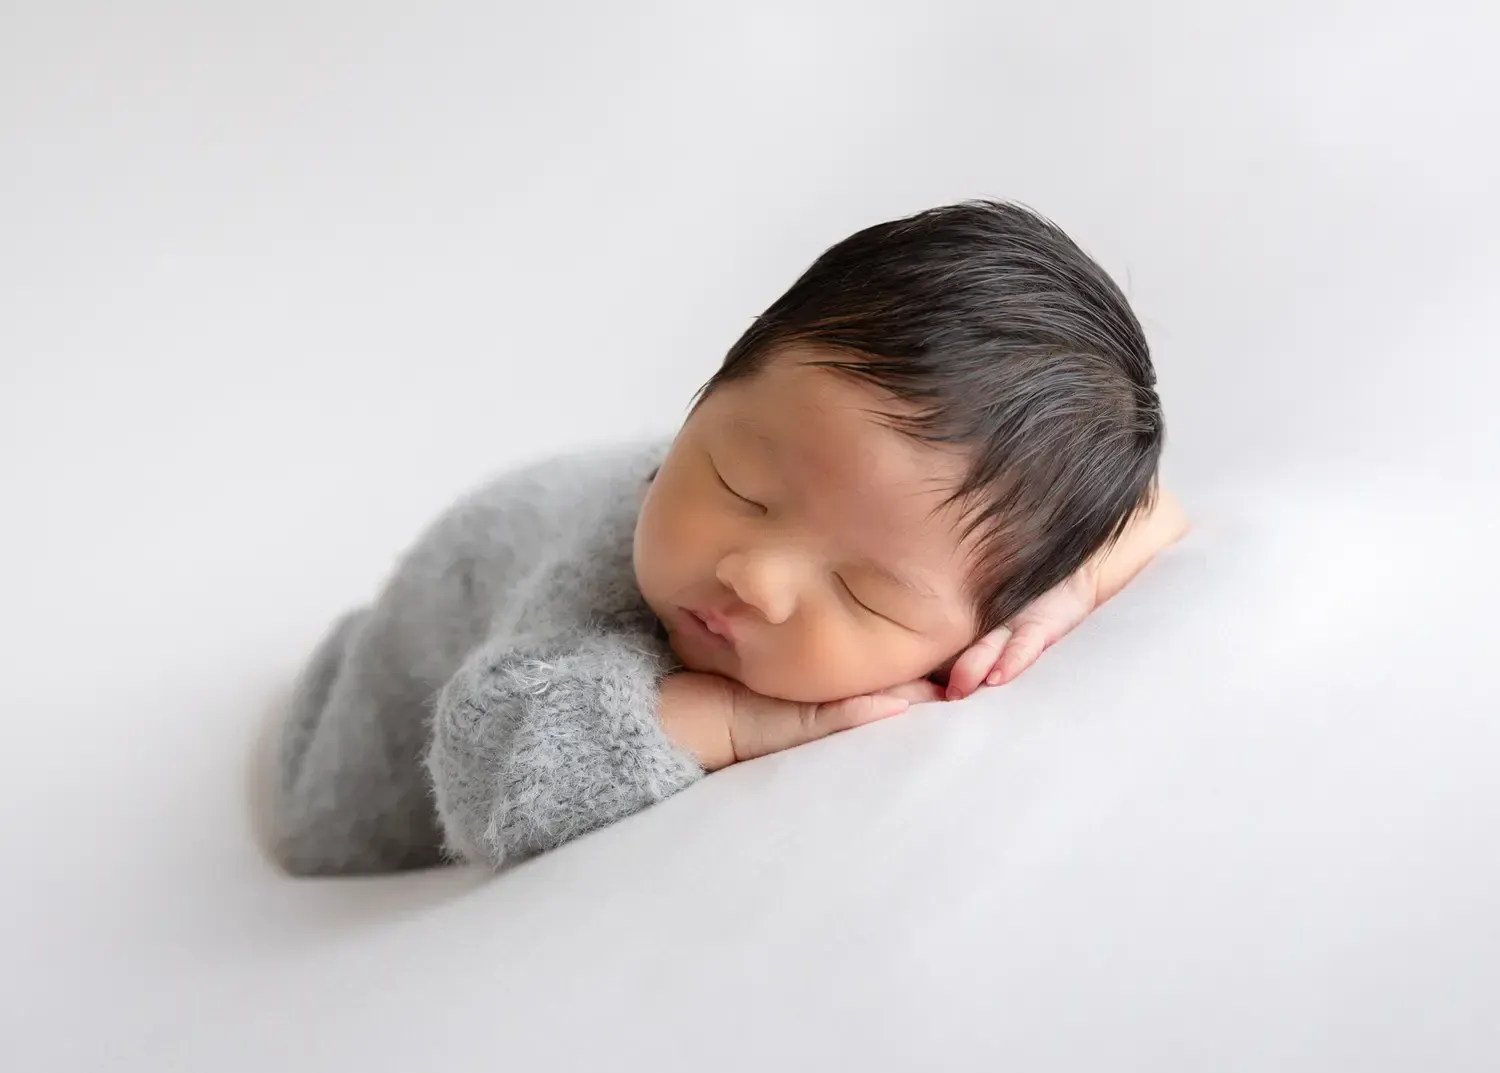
(539, 741)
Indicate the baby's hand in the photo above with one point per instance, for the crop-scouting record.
(999, 656)
(722, 722)
(762, 725)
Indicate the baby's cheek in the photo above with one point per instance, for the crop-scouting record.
(683, 535)
(821, 664)
(872, 664)
(663, 532)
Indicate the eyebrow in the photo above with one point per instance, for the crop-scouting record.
(755, 432)
(911, 584)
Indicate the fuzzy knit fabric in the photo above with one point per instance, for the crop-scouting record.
(499, 697)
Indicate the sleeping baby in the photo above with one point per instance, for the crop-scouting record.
(923, 464)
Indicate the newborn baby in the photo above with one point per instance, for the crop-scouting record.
(927, 461)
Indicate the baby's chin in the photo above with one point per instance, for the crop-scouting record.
(747, 673)
(768, 679)
(768, 683)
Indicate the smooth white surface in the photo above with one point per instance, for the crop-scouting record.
(277, 281)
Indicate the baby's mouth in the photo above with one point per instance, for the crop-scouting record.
(712, 626)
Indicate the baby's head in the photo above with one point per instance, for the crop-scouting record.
(943, 418)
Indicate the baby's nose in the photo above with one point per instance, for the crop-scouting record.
(765, 582)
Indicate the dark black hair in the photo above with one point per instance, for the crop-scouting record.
(1012, 343)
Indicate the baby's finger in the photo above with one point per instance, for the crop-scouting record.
(840, 715)
(919, 692)
(1028, 643)
(976, 662)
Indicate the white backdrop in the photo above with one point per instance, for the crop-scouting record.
(277, 281)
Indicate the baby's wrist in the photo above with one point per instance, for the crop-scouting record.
(695, 712)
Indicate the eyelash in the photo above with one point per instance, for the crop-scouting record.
(731, 491)
(856, 599)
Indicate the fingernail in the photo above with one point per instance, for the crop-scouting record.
(995, 678)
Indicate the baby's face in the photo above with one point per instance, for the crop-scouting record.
(793, 542)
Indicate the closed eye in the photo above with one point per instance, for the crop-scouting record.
(850, 592)
(727, 487)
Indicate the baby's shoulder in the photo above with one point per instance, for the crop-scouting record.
(559, 496)
(548, 540)
(542, 549)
